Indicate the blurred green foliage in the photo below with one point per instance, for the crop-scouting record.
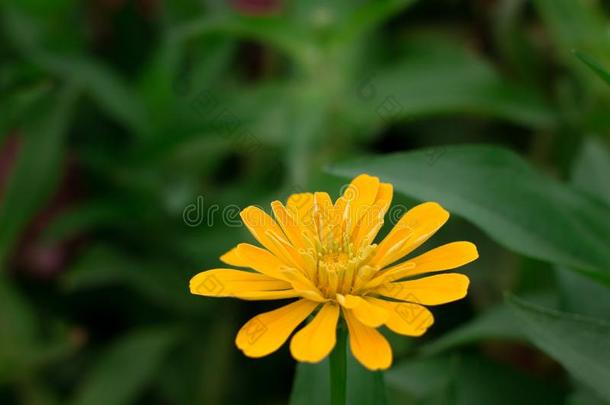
(120, 119)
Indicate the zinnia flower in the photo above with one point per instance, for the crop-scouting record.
(323, 254)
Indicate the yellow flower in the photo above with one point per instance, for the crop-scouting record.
(323, 254)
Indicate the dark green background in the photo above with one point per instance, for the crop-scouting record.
(119, 118)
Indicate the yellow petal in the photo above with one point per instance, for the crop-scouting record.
(445, 257)
(414, 228)
(367, 313)
(372, 220)
(324, 217)
(233, 259)
(262, 226)
(368, 346)
(261, 260)
(361, 195)
(316, 340)
(266, 332)
(289, 224)
(229, 282)
(389, 275)
(322, 203)
(267, 295)
(270, 235)
(442, 258)
(301, 206)
(362, 188)
(303, 285)
(383, 199)
(433, 290)
(405, 318)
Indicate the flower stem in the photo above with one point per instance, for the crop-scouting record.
(338, 368)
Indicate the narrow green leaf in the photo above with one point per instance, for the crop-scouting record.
(274, 31)
(580, 344)
(111, 93)
(580, 25)
(308, 117)
(168, 89)
(23, 348)
(367, 17)
(576, 24)
(423, 83)
(17, 328)
(594, 66)
(124, 369)
(37, 169)
(84, 218)
(106, 88)
(520, 208)
(17, 105)
(103, 265)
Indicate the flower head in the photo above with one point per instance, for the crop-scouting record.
(323, 254)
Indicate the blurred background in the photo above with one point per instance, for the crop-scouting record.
(132, 132)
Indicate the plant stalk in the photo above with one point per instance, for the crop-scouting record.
(338, 368)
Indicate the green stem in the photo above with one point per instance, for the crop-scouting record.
(338, 368)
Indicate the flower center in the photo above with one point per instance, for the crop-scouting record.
(342, 271)
(334, 258)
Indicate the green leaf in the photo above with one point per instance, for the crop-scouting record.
(18, 104)
(591, 168)
(308, 117)
(367, 17)
(498, 323)
(105, 87)
(518, 53)
(84, 218)
(17, 328)
(495, 324)
(421, 378)
(111, 93)
(103, 265)
(483, 381)
(37, 168)
(466, 379)
(42, 8)
(424, 83)
(580, 294)
(167, 88)
(594, 66)
(584, 396)
(521, 209)
(278, 32)
(577, 25)
(581, 345)
(23, 348)
(124, 369)
(363, 387)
